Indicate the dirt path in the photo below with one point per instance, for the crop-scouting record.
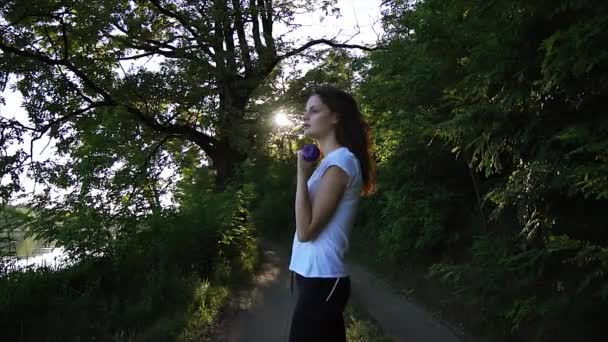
(263, 313)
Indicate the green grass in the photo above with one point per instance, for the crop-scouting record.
(360, 327)
(196, 322)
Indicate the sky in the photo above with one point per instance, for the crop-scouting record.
(359, 24)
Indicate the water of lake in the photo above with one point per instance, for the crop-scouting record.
(31, 253)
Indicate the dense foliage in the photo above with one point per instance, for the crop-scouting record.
(494, 153)
(168, 281)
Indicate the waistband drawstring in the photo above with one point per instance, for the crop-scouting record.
(326, 299)
(332, 290)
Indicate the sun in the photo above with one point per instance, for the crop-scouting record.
(281, 119)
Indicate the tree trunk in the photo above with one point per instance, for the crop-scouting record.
(225, 161)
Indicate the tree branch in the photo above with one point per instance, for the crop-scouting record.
(175, 52)
(52, 61)
(240, 30)
(64, 35)
(204, 141)
(147, 54)
(327, 42)
(265, 10)
(259, 48)
(224, 16)
(68, 116)
(186, 23)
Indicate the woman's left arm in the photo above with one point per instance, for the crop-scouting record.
(310, 219)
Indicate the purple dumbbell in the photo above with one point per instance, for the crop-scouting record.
(310, 152)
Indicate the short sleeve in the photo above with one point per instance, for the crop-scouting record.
(346, 162)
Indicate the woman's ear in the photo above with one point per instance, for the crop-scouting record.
(335, 118)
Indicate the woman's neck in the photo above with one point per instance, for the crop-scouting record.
(328, 144)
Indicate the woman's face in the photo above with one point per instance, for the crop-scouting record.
(318, 119)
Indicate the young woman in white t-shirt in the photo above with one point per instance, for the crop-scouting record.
(325, 207)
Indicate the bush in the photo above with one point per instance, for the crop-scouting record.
(168, 281)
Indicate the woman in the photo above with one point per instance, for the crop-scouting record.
(326, 203)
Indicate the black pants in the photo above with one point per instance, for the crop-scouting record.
(318, 312)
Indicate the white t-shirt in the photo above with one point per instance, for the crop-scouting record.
(323, 257)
